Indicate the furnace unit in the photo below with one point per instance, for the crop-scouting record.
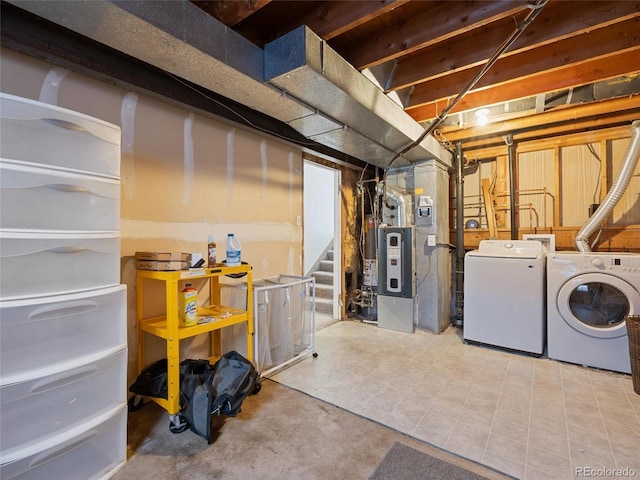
(396, 279)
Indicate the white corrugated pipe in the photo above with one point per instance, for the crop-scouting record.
(396, 197)
(617, 190)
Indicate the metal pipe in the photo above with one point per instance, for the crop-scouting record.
(617, 190)
(531, 191)
(512, 186)
(389, 193)
(459, 306)
(544, 207)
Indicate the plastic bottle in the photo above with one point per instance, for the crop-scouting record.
(211, 252)
(233, 250)
(188, 303)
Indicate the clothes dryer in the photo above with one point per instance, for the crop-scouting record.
(589, 294)
(504, 300)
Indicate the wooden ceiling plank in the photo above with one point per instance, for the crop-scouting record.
(231, 12)
(427, 112)
(602, 43)
(556, 22)
(274, 20)
(626, 106)
(411, 35)
(334, 18)
(587, 129)
(561, 57)
(575, 75)
(573, 134)
(541, 139)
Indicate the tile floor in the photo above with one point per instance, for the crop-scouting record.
(532, 418)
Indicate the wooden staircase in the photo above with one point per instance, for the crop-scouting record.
(324, 284)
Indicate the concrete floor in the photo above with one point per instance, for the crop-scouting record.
(336, 416)
(281, 433)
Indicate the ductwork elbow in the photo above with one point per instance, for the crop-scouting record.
(390, 194)
(617, 190)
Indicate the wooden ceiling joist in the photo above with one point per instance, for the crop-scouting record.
(335, 18)
(231, 12)
(560, 121)
(607, 43)
(446, 22)
(583, 73)
(589, 132)
(427, 51)
(555, 23)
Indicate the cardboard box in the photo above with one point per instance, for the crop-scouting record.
(164, 256)
(162, 266)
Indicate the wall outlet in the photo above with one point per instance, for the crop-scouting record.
(431, 240)
(298, 220)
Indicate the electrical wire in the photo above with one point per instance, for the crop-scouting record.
(362, 174)
(241, 117)
(535, 10)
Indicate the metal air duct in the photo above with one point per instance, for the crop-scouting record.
(617, 190)
(390, 194)
(180, 38)
(303, 65)
(325, 99)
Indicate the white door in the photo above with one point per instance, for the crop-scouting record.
(596, 304)
(322, 221)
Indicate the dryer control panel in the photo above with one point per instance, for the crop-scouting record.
(626, 263)
(622, 263)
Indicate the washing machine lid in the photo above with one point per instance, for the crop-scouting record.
(596, 304)
(508, 249)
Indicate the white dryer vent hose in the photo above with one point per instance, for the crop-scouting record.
(617, 190)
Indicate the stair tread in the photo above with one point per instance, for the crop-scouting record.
(323, 277)
(324, 305)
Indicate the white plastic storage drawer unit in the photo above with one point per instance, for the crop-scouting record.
(56, 262)
(95, 450)
(41, 332)
(32, 197)
(41, 407)
(36, 132)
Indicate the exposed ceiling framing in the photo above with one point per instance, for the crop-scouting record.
(576, 68)
(428, 50)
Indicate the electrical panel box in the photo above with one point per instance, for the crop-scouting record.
(395, 261)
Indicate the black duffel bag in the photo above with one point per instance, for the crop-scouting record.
(206, 392)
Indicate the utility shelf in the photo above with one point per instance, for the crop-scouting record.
(224, 317)
(167, 326)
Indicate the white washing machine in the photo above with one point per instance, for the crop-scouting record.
(504, 296)
(588, 296)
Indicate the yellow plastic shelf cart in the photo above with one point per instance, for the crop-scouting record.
(167, 326)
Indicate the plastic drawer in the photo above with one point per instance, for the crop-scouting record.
(37, 132)
(32, 197)
(56, 262)
(46, 331)
(42, 407)
(96, 450)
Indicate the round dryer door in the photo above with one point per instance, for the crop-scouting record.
(596, 304)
